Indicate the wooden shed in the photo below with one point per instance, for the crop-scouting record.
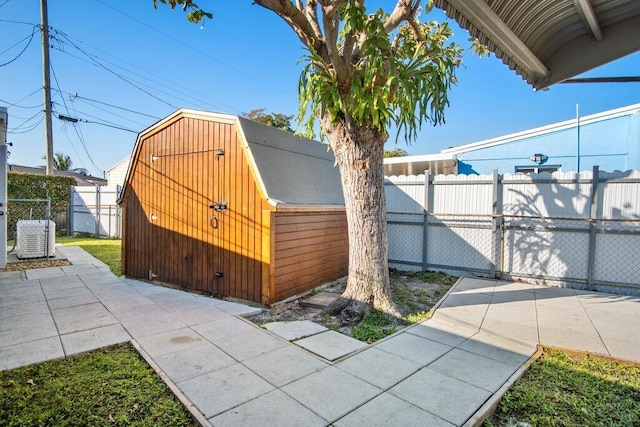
(225, 206)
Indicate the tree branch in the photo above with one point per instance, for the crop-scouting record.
(331, 21)
(405, 10)
(297, 20)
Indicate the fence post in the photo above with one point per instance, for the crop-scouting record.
(593, 215)
(425, 226)
(496, 226)
(97, 231)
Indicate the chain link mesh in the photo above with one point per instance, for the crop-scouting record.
(582, 251)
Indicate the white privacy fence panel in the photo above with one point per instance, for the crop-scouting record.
(94, 211)
(563, 228)
(565, 195)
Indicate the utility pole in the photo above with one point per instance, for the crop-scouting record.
(48, 128)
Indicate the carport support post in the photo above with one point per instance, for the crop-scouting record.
(592, 225)
(425, 226)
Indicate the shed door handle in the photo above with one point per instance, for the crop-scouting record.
(213, 221)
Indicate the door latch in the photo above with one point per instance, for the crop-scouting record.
(219, 206)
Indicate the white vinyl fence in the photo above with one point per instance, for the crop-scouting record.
(566, 229)
(93, 210)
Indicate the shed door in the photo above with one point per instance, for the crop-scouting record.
(189, 218)
(218, 221)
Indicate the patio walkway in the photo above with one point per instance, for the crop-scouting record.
(441, 372)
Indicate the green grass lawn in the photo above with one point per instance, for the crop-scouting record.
(112, 386)
(578, 390)
(108, 251)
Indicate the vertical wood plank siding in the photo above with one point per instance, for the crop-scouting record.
(178, 187)
(310, 249)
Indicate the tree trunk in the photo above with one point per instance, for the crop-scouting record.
(359, 153)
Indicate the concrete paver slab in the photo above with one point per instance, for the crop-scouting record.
(284, 365)
(223, 389)
(240, 310)
(22, 321)
(513, 331)
(626, 349)
(32, 332)
(8, 301)
(200, 315)
(250, 344)
(128, 306)
(28, 353)
(217, 330)
(193, 361)
(82, 317)
(78, 342)
(387, 410)
(272, 409)
(150, 323)
(331, 393)
(330, 345)
(61, 282)
(441, 395)
(478, 370)
(321, 300)
(71, 301)
(499, 348)
(414, 348)
(28, 308)
(294, 330)
(442, 332)
(568, 338)
(378, 367)
(170, 341)
(44, 273)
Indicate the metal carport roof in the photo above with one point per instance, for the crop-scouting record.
(548, 41)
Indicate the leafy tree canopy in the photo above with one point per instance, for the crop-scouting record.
(277, 120)
(396, 152)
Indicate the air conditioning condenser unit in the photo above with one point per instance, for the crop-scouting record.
(35, 239)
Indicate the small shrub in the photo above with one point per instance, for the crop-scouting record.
(374, 326)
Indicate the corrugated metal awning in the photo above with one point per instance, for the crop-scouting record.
(548, 41)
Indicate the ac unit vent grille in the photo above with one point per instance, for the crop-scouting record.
(35, 239)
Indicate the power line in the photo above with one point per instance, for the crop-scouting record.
(18, 42)
(197, 50)
(189, 99)
(22, 51)
(114, 106)
(76, 120)
(13, 132)
(75, 128)
(110, 112)
(113, 72)
(26, 121)
(5, 2)
(172, 84)
(10, 21)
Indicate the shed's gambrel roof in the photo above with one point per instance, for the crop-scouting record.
(548, 41)
(290, 170)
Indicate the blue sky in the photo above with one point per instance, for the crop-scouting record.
(148, 63)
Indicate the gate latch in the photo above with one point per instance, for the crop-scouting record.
(219, 206)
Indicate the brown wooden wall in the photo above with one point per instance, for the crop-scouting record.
(309, 249)
(178, 186)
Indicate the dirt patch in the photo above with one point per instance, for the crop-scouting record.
(29, 265)
(414, 294)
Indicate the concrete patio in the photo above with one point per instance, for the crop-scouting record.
(230, 372)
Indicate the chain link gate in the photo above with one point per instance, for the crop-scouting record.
(30, 228)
